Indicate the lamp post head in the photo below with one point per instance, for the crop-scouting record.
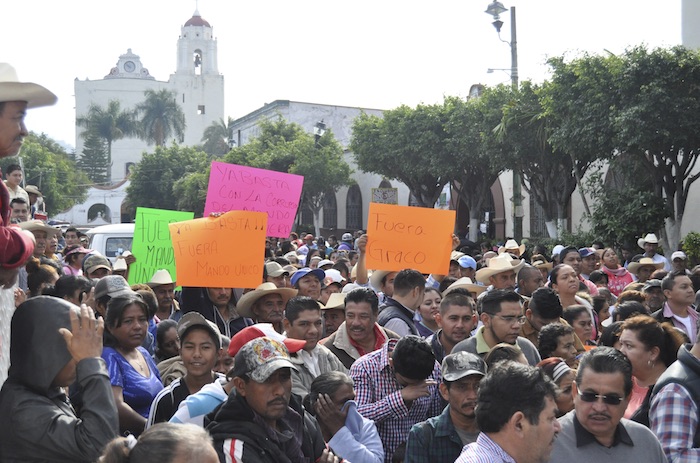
(495, 9)
(319, 128)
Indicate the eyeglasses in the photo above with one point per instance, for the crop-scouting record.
(512, 319)
(607, 399)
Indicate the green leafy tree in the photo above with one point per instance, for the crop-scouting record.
(644, 103)
(408, 145)
(48, 166)
(216, 137)
(618, 214)
(476, 152)
(94, 160)
(548, 174)
(191, 192)
(154, 177)
(161, 118)
(285, 147)
(110, 123)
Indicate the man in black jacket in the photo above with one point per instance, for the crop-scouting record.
(263, 421)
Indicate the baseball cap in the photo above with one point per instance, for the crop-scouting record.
(94, 262)
(346, 237)
(654, 283)
(260, 358)
(302, 272)
(467, 262)
(325, 262)
(460, 364)
(260, 330)
(585, 252)
(678, 255)
(113, 286)
(333, 276)
(192, 319)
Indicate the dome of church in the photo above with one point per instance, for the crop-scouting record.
(196, 20)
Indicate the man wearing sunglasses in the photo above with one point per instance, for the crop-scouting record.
(595, 430)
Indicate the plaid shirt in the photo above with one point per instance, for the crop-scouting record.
(434, 440)
(484, 450)
(673, 419)
(379, 398)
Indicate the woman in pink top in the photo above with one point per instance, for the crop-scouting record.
(618, 276)
(73, 259)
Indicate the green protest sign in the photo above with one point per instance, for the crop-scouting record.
(152, 245)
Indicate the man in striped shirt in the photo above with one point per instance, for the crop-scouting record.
(516, 414)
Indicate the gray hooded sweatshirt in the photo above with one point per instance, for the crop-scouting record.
(37, 422)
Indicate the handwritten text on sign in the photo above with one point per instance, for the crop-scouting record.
(222, 252)
(409, 237)
(240, 188)
(152, 246)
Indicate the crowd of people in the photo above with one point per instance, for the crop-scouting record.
(515, 354)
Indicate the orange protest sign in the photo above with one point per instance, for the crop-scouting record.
(402, 237)
(224, 252)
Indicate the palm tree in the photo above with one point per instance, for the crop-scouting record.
(109, 124)
(161, 117)
(217, 137)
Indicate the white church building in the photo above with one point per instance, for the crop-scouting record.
(197, 83)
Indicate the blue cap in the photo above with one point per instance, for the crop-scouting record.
(585, 252)
(467, 262)
(302, 272)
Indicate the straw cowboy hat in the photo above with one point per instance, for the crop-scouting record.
(38, 225)
(512, 247)
(336, 301)
(499, 264)
(245, 304)
(465, 283)
(11, 89)
(650, 238)
(540, 263)
(634, 267)
(375, 279)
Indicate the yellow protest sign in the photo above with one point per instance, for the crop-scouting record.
(402, 237)
(224, 252)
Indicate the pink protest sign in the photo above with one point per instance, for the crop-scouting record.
(240, 188)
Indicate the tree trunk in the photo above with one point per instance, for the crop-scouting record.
(317, 220)
(473, 229)
(672, 232)
(552, 229)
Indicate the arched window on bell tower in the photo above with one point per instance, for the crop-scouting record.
(197, 62)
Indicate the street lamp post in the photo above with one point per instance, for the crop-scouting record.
(319, 130)
(495, 9)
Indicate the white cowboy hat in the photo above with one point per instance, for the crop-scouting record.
(650, 238)
(512, 247)
(336, 301)
(161, 277)
(466, 283)
(248, 299)
(633, 267)
(11, 89)
(499, 264)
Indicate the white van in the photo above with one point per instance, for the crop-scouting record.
(111, 240)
